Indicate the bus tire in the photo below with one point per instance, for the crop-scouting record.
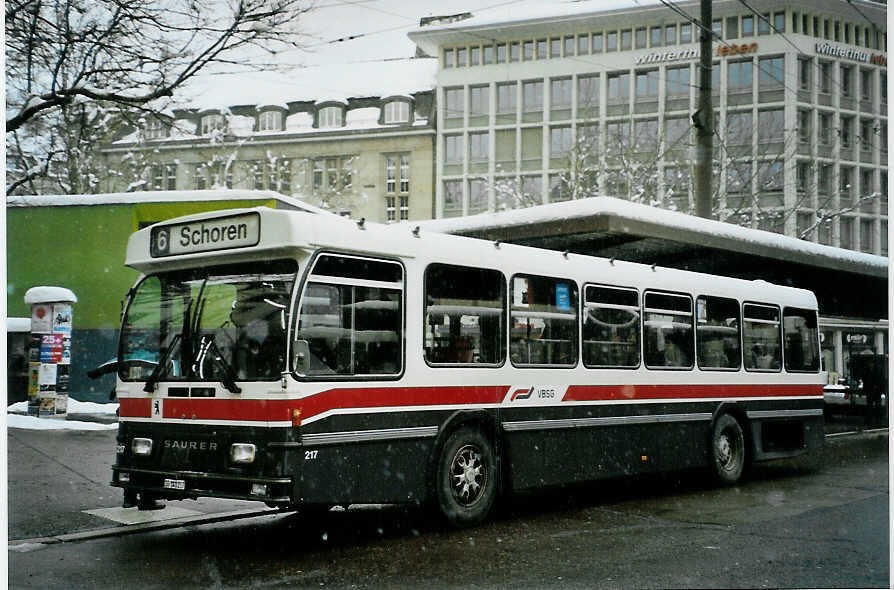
(466, 478)
(727, 450)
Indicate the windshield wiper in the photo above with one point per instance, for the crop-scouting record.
(229, 375)
(160, 367)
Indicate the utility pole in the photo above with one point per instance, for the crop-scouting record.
(703, 119)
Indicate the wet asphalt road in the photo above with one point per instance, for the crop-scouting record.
(815, 521)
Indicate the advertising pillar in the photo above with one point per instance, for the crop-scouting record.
(49, 363)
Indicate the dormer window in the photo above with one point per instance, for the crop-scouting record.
(155, 129)
(212, 123)
(397, 111)
(330, 117)
(270, 121)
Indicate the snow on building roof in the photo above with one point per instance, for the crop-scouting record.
(158, 197)
(331, 82)
(635, 218)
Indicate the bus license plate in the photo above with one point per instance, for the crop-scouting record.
(175, 484)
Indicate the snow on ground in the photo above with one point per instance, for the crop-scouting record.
(16, 417)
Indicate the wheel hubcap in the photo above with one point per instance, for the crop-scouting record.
(468, 474)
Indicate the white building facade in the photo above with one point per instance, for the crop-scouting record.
(571, 102)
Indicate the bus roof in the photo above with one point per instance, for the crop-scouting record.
(285, 233)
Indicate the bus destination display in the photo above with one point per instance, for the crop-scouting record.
(205, 235)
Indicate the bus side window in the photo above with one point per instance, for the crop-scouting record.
(801, 340)
(667, 330)
(717, 333)
(543, 325)
(465, 315)
(761, 336)
(351, 317)
(611, 327)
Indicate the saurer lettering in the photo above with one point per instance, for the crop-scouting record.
(191, 445)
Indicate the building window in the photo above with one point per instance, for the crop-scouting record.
(717, 28)
(883, 87)
(555, 47)
(164, 177)
(804, 67)
(739, 128)
(569, 45)
(678, 82)
(270, 121)
(528, 50)
(670, 35)
(333, 174)
(739, 78)
(561, 141)
(772, 72)
(478, 147)
(448, 58)
(611, 41)
(479, 101)
(330, 117)
(866, 84)
(514, 51)
(845, 185)
(506, 98)
(825, 129)
(618, 87)
(560, 93)
(802, 176)
(640, 37)
(846, 131)
(770, 176)
(597, 43)
(846, 83)
(454, 103)
(824, 179)
(676, 133)
(532, 96)
(655, 34)
(771, 126)
(866, 235)
(390, 209)
(865, 135)
(685, 33)
(474, 56)
(738, 178)
(462, 57)
(732, 27)
(779, 22)
(453, 149)
(541, 49)
(825, 77)
(804, 126)
(397, 111)
(200, 181)
(647, 86)
(477, 196)
(803, 222)
(587, 92)
(155, 129)
(583, 44)
(846, 233)
(212, 123)
(626, 39)
(502, 53)
(453, 198)
(748, 26)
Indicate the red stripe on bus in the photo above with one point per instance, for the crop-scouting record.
(640, 392)
(332, 399)
(129, 407)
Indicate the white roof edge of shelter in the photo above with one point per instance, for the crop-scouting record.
(140, 197)
(733, 236)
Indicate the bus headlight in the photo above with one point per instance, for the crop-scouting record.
(123, 478)
(242, 453)
(141, 446)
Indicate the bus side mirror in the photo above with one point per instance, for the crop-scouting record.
(301, 356)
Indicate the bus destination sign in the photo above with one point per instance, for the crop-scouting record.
(205, 235)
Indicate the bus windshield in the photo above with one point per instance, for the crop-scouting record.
(221, 323)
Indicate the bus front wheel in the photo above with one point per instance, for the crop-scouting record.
(727, 450)
(466, 480)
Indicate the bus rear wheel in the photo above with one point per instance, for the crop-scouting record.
(727, 450)
(466, 478)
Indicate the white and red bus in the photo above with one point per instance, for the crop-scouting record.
(307, 360)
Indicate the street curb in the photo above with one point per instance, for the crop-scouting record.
(143, 527)
(858, 432)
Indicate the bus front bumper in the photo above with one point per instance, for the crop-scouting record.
(180, 485)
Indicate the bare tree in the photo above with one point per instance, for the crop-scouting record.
(94, 63)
